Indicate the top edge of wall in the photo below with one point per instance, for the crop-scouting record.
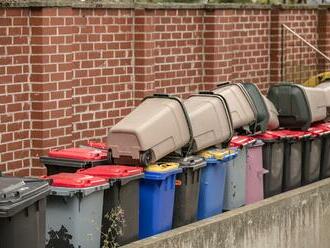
(129, 4)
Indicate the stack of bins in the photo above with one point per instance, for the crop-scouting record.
(22, 212)
(272, 157)
(325, 154)
(74, 210)
(121, 201)
(72, 159)
(212, 186)
(251, 154)
(187, 189)
(157, 191)
(312, 149)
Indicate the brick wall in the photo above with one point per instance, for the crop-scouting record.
(67, 74)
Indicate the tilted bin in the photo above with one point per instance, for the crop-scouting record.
(272, 159)
(210, 120)
(74, 210)
(187, 189)
(262, 116)
(158, 126)
(72, 159)
(212, 186)
(241, 107)
(251, 155)
(121, 201)
(22, 212)
(157, 191)
(325, 154)
(298, 106)
(273, 122)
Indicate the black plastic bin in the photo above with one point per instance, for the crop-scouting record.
(121, 202)
(272, 159)
(72, 159)
(22, 212)
(186, 189)
(325, 154)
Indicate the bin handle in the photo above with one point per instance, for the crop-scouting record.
(223, 84)
(261, 172)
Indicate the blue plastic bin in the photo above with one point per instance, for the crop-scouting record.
(157, 202)
(212, 186)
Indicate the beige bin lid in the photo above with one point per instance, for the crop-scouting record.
(316, 98)
(241, 108)
(326, 89)
(210, 120)
(273, 122)
(158, 125)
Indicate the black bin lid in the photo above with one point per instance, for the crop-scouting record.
(19, 193)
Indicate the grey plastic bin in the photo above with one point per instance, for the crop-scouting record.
(273, 122)
(74, 211)
(157, 127)
(22, 212)
(298, 106)
(210, 120)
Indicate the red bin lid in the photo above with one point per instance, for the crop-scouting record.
(79, 154)
(112, 171)
(290, 134)
(74, 180)
(267, 136)
(238, 141)
(98, 145)
(324, 126)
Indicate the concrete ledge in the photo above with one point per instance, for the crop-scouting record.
(131, 4)
(300, 218)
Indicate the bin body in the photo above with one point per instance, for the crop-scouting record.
(325, 154)
(157, 191)
(22, 222)
(272, 159)
(187, 190)
(212, 186)
(121, 197)
(74, 211)
(72, 159)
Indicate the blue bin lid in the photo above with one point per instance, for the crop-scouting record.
(160, 175)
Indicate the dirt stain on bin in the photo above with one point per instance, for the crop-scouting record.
(59, 239)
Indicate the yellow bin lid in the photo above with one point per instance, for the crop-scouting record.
(216, 153)
(163, 167)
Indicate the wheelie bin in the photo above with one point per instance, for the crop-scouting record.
(22, 212)
(251, 157)
(72, 159)
(325, 154)
(213, 181)
(157, 192)
(121, 202)
(74, 210)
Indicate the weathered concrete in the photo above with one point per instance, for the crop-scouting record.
(300, 218)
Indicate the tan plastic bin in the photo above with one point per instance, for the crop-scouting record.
(326, 89)
(210, 120)
(273, 122)
(242, 110)
(157, 127)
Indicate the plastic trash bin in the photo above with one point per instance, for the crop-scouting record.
(186, 189)
(157, 127)
(272, 159)
(157, 191)
(325, 154)
(273, 122)
(262, 116)
(121, 202)
(298, 107)
(22, 212)
(74, 210)
(72, 159)
(210, 120)
(241, 107)
(293, 157)
(212, 186)
(251, 155)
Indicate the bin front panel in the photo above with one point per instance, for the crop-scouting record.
(74, 221)
(234, 196)
(311, 160)
(156, 206)
(292, 165)
(254, 178)
(212, 187)
(273, 158)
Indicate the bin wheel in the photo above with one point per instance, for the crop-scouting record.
(146, 157)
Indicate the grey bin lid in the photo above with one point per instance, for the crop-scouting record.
(19, 193)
